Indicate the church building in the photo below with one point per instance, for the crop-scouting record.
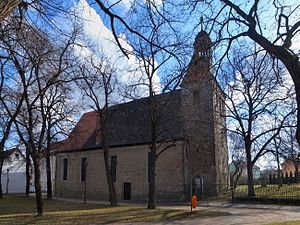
(192, 122)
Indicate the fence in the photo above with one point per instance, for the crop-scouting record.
(283, 188)
(196, 187)
(285, 191)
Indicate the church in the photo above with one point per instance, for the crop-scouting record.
(192, 123)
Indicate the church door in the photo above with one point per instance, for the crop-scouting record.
(127, 191)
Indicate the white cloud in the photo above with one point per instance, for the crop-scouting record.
(104, 42)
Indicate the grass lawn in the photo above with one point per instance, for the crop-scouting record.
(296, 222)
(271, 191)
(21, 210)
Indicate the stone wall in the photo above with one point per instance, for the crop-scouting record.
(204, 126)
(220, 140)
(197, 107)
(132, 167)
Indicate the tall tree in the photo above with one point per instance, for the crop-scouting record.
(12, 93)
(231, 21)
(256, 103)
(160, 71)
(45, 62)
(97, 82)
(58, 109)
(11, 101)
(271, 24)
(237, 158)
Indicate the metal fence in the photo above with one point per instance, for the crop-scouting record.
(196, 187)
(269, 191)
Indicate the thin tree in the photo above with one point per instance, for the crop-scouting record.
(152, 60)
(11, 96)
(97, 82)
(237, 158)
(288, 149)
(58, 108)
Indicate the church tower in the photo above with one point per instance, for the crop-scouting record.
(204, 123)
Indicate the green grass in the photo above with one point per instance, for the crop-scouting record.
(271, 191)
(21, 210)
(296, 222)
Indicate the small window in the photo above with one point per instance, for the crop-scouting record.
(113, 167)
(65, 169)
(17, 156)
(83, 169)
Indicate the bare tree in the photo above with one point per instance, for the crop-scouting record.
(11, 93)
(155, 43)
(288, 148)
(237, 158)
(230, 21)
(58, 108)
(256, 103)
(10, 103)
(40, 65)
(152, 60)
(97, 82)
(271, 24)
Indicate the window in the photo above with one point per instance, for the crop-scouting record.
(113, 167)
(83, 169)
(17, 156)
(65, 169)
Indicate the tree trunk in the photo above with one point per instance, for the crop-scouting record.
(37, 183)
(28, 175)
(111, 186)
(291, 63)
(294, 70)
(296, 171)
(237, 178)
(48, 171)
(279, 177)
(251, 192)
(152, 168)
(1, 165)
(105, 145)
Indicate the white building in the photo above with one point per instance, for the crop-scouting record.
(13, 177)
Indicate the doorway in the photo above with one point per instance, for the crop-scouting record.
(127, 191)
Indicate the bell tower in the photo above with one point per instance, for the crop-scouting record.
(200, 65)
(204, 127)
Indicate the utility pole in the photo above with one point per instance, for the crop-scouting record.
(85, 170)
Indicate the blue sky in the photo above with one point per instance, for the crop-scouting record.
(97, 29)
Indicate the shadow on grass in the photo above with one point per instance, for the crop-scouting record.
(61, 212)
